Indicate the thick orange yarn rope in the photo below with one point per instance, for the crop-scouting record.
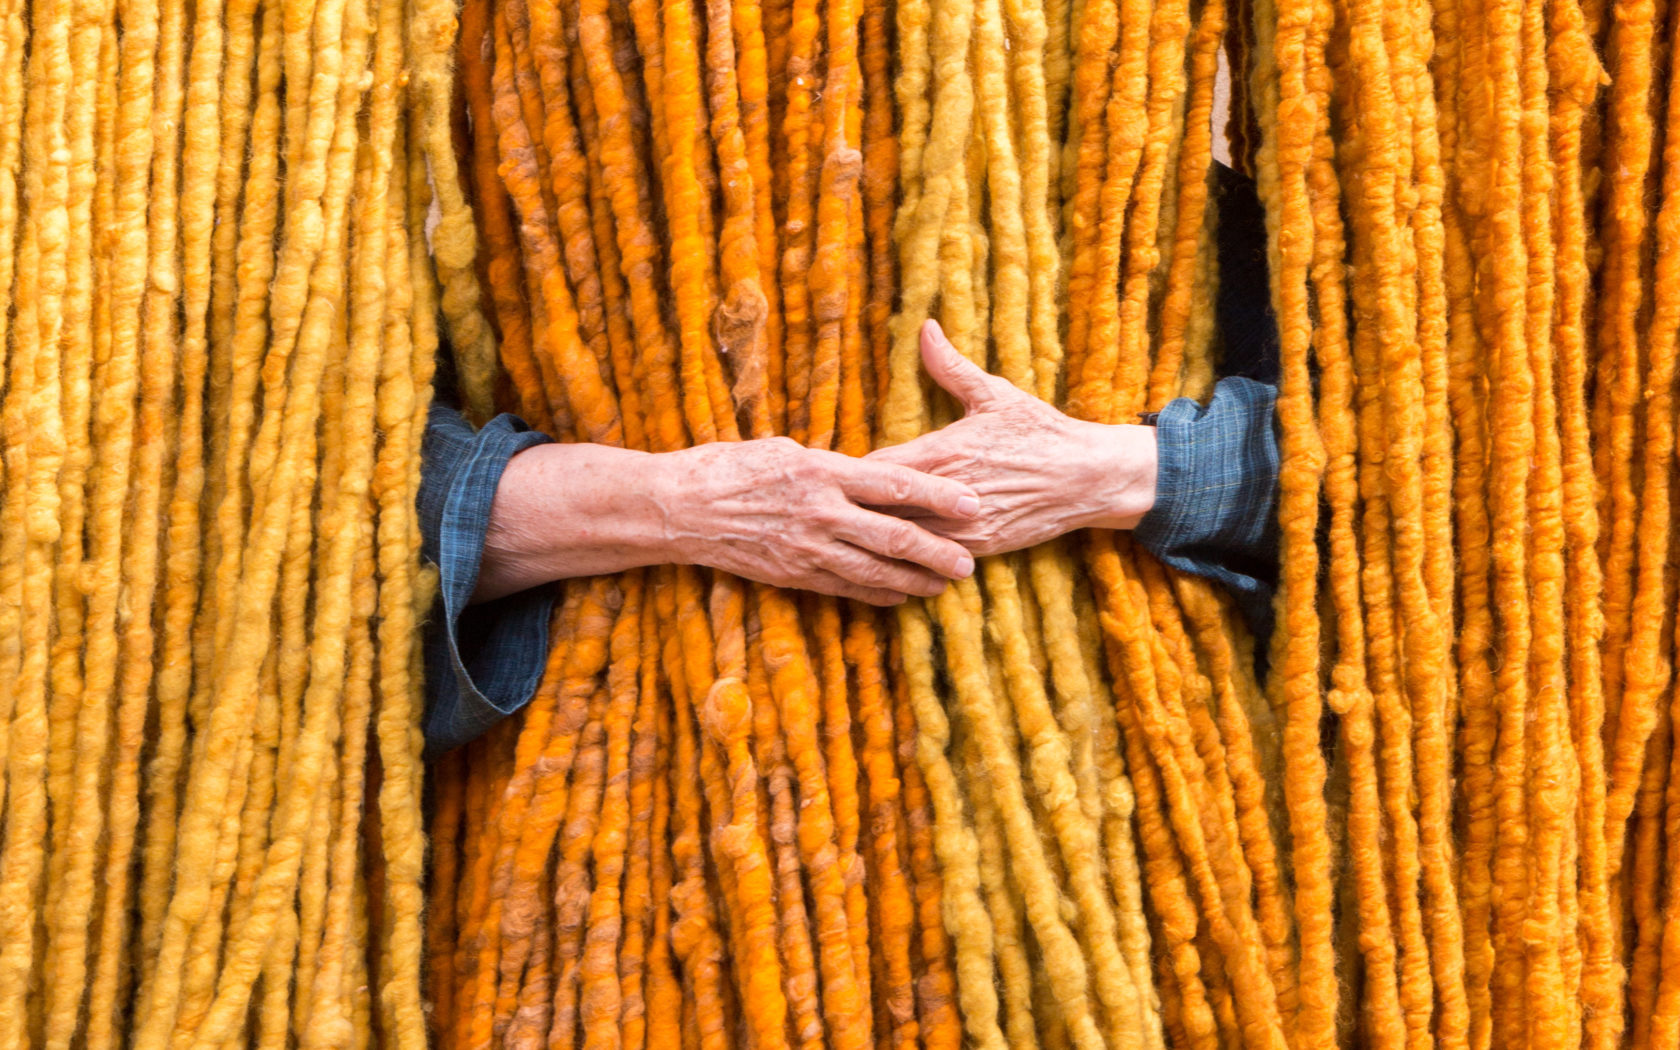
(1061, 805)
(217, 274)
(1090, 822)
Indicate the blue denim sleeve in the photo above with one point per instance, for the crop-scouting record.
(482, 661)
(1216, 493)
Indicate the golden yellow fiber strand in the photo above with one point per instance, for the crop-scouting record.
(1433, 742)
(1010, 942)
(65, 684)
(1038, 68)
(403, 590)
(1511, 452)
(1169, 26)
(921, 216)
(1185, 294)
(76, 811)
(105, 965)
(11, 101)
(1628, 135)
(161, 718)
(33, 443)
(954, 841)
(1081, 178)
(1389, 334)
(1635, 664)
(1544, 993)
(430, 46)
(1283, 159)
(1577, 73)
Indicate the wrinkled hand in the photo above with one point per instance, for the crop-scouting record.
(1038, 473)
(774, 511)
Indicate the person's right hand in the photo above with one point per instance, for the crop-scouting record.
(774, 511)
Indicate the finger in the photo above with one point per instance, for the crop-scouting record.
(927, 453)
(828, 583)
(909, 454)
(882, 484)
(966, 533)
(869, 570)
(900, 540)
(971, 385)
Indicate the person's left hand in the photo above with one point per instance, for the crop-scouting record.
(1038, 473)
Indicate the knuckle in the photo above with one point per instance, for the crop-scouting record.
(813, 517)
(900, 540)
(783, 452)
(873, 573)
(802, 469)
(812, 467)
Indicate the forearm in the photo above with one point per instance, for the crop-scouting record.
(769, 510)
(568, 510)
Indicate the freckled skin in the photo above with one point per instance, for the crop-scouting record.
(769, 510)
(1038, 473)
(900, 521)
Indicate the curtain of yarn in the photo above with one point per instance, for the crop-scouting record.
(1058, 805)
(219, 334)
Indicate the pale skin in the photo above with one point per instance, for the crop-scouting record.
(905, 520)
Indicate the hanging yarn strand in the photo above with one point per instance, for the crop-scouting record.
(165, 745)
(1092, 806)
(1074, 802)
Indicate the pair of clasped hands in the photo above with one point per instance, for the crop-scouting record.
(904, 520)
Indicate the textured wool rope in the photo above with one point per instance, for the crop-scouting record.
(188, 715)
(684, 370)
(1055, 806)
(1209, 800)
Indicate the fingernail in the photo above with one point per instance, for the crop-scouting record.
(931, 332)
(965, 567)
(968, 506)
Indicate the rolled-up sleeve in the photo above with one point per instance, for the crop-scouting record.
(1216, 493)
(482, 661)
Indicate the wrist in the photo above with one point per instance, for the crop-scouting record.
(658, 498)
(566, 510)
(631, 496)
(1122, 474)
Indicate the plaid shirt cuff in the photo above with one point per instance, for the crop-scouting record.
(483, 661)
(1216, 493)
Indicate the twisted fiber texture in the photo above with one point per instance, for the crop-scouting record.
(1055, 806)
(791, 722)
(1501, 750)
(740, 873)
(211, 771)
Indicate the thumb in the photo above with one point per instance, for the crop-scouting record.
(974, 388)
